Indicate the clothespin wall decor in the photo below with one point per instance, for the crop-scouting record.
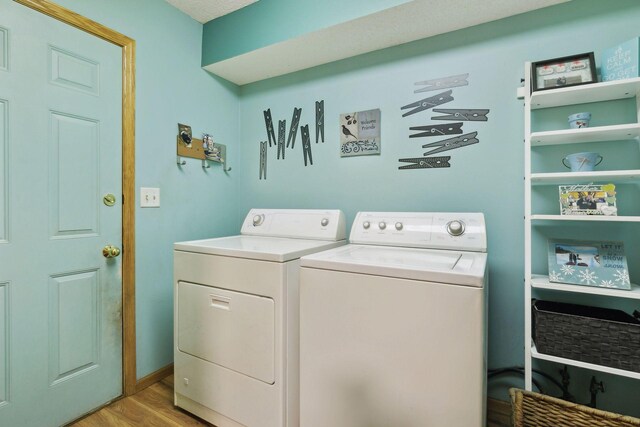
(437, 130)
(461, 116)
(306, 144)
(426, 162)
(290, 138)
(442, 83)
(263, 160)
(295, 121)
(282, 129)
(425, 104)
(320, 120)
(269, 124)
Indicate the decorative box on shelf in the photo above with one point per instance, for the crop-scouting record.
(621, 61)
(589, 199)
(588, 263)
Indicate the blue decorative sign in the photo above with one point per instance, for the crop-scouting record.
(621, 61)
(600, 264)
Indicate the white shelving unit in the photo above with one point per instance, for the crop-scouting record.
(597, 92)
(594, 218)
(579, 364)
(577, 136)
(542, 282)
(584, 177)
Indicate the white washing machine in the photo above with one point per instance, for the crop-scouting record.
(393, 325)
(236, 317)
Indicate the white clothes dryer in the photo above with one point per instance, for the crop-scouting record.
(236, 329)
(393, 325)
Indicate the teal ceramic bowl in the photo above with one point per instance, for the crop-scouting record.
(579, 120)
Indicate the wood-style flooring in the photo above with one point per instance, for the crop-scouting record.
(152, 407)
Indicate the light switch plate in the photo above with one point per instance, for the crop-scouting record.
(149, 197)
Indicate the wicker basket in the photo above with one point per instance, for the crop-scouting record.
(589, 334)
(538, 410)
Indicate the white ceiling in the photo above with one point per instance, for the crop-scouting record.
(414, 20)
(206, 10)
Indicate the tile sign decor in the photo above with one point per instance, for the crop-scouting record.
(360, 133)
(621, 61)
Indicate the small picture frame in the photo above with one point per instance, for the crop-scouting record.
(588, 199)
(588, 263)
(563, 72)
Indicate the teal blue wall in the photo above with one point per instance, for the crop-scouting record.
(170, 88)
(486, 177)
(271, 21)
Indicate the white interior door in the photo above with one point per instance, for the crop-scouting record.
(60, 153)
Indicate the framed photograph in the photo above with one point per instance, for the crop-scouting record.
(588, 199)
(587, 263)
(563, 72)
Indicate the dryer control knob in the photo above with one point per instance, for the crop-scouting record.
(382, 225)
(399, 226)
(257, 220)
(366, 225)
(324, 222)
(455, 228)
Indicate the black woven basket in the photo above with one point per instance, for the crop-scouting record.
(589, 334)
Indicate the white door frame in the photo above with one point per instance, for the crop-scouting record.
(128, 46)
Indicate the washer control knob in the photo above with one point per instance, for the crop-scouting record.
(382, 225)
(257, 220)
(399, 226)
(324, 222)
(455, 228)
(366, 225)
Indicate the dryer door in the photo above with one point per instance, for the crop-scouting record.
(232, 329)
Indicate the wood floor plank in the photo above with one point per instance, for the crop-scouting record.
(164, 390)
(498, 413)
(138, 414)
(102, 418)
(159, 397)
(153, 407)
(168, 381)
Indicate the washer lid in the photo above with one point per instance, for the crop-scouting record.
(277, 249)
(442, 266)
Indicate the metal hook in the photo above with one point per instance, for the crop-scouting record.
(180, 162)
(224, 168)
(205, 165)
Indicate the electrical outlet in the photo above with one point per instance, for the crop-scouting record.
(149, 197)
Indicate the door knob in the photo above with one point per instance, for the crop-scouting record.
(110, 251)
